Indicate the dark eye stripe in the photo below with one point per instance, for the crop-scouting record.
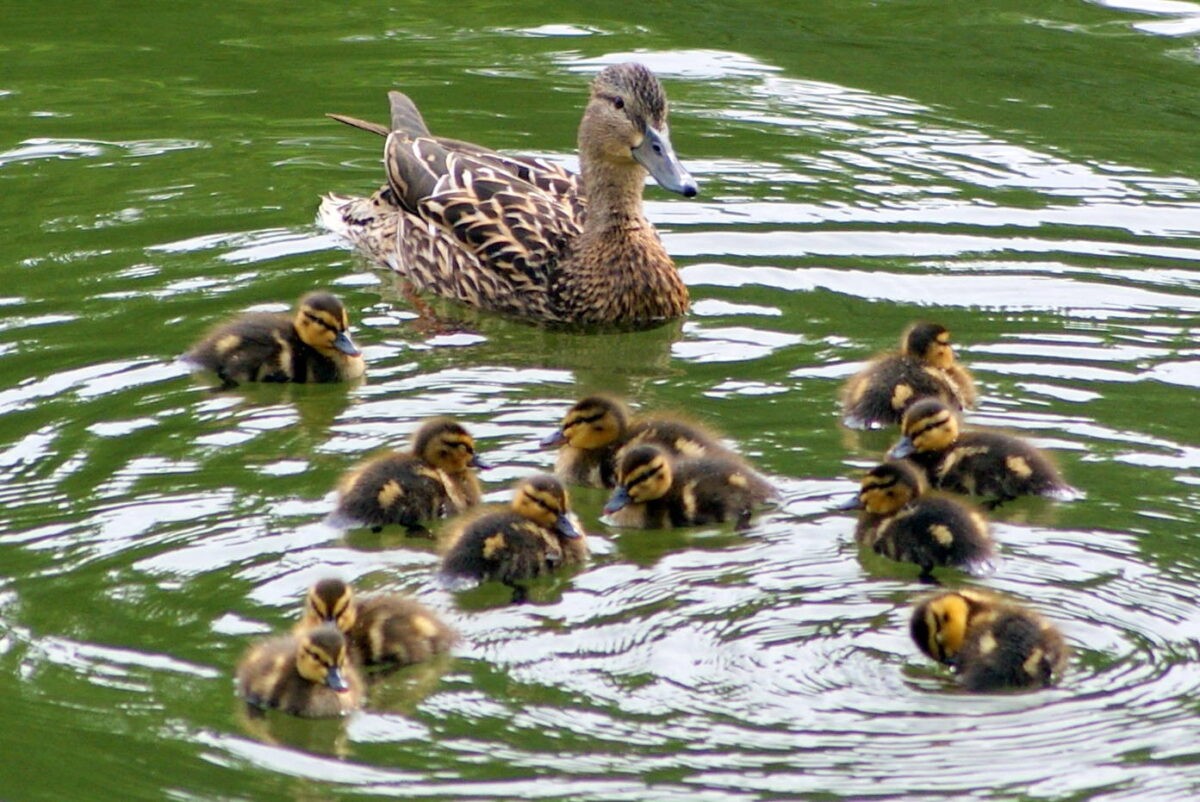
(932, 423)
(649, 473)
(554, 508)
(578, 419)
(321, 322)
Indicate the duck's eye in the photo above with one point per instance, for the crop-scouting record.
(618, 102)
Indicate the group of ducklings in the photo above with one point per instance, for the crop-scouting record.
(907, 513)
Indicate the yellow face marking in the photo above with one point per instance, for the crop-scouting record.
(390, 493)
(1019, 466)
(900, 395)
(493, 545)
(942, 534)
(1033, 663)
(227, 343)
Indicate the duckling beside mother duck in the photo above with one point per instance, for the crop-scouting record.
(520, 235)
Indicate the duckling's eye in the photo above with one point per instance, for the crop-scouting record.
(618, 102)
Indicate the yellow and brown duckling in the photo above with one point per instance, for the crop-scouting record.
(924, 367)
(657, 491)
(901, 521)
(596, 428)
(386, 628)
(991, 464)
(307, 674)
(434, 479)
(993, 643)
(311, 345)
(537, 534)
(520, 235)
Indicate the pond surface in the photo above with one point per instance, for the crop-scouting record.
(1024, 172)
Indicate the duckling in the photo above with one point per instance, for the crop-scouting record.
(596, 428)
(993, 643)
(656, 491)
(901, 521)
(924, 367)
(312, 345)
(385, 628)
(432, 480)
(979, 463)
(307, 674)
(523, 236)
(535, 535)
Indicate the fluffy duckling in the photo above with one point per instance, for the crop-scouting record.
(436, 478)
(656, 491)
(311, 345)
(385, 628)
(924, 367)
(899, 520)
(980, 463)
(993, 643)
(535, 535)
(596, 428)
(307, 674)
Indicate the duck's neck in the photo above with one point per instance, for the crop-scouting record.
(614, 196)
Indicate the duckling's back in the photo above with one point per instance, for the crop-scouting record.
(879, 395)
(501, 545)
(708, 490)
(997, 465)
(932, 531)
(390, 628)
(1014, 649)
(393, 488)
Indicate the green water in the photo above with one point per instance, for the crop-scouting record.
(1023, 172)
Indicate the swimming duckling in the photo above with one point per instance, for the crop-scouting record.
(307, 674)
(980, 463)
(385, 628)
(535, 535)
(924, 367)
(993, 643)
(899, 520)
(311, 345)
(656, 491)
(596, 428)
(434, 479)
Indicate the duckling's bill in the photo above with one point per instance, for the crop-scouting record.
(619, 500)
(343, 343)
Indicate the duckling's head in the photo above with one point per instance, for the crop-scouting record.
(321, 657)
(543, 500)
(939, 625)
(593, 423)
(625, 124)
(332, 601)
(888, 487)
(445, 444)
(322, 322)
(929, 343)
(927, 426)
(643, 474)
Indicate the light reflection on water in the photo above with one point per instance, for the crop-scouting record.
(730, 666)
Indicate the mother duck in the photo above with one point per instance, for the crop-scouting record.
(522, 236)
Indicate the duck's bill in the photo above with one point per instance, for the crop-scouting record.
(565, 525)
(852, 503)
(553, 440)
(336, 680)
(479, 464)
(656, 155)
(619, 500)
(344, 344)
(902, 449)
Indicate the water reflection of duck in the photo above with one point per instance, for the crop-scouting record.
(534, 536)
(981, 463)
(308, 674)
(993, 643)
(656, 491)
(311, 345)
(901, 521)
(385, 628)
(523, 236)
(434, 479)
(597, 427)
(924, 367)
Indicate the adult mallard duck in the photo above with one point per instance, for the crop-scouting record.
(522, 236)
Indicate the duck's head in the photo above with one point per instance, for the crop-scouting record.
(927, 426)
(929, 343)
(445, 444)
(626, 123)
(643, 474)
(888, 487)
(940, 622)
(321, 657)
(543, 500)
(592, 423)
(330, 601)
(322, 322)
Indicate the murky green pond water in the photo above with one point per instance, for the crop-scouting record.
(1025, 172)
